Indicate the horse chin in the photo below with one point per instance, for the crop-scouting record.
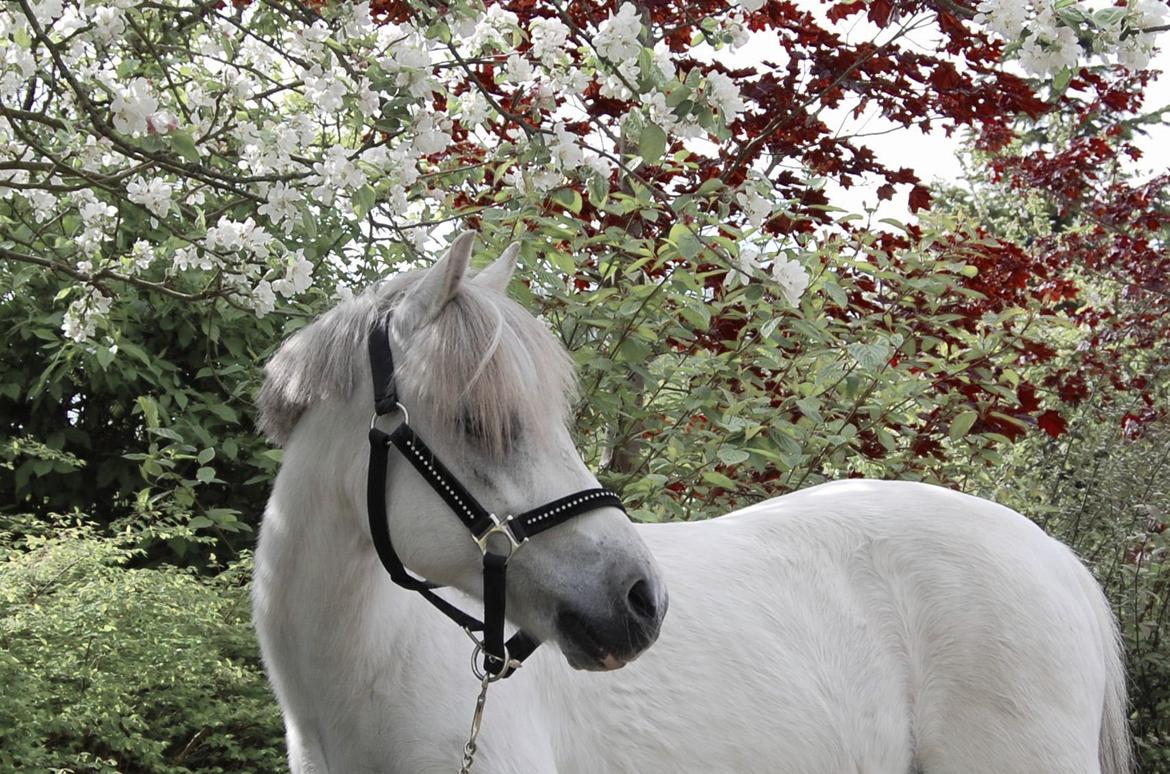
(589, 663)
(584, 648)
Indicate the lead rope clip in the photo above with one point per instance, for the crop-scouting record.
(476, 719)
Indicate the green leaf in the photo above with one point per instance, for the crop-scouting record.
(870, 356)
(652, 143)
(683, 238)
(364, 200)
(598, 189)
(710, 186)
(200, 522)
(732, 456)
(205, 456)
(961, 425)
(205, 475)
(718, 479)
(569, 199)
(226, 413)
(185, 146)
(149, 410)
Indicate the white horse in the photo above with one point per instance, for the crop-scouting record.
(861, 626)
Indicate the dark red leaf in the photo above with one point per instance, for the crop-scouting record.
(1052, 423)
(919, 199)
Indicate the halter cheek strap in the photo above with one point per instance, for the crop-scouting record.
(500, 658)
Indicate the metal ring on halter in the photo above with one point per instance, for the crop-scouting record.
(405, 415)
(499, 527)
(510, 666)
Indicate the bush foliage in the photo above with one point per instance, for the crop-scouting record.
(108, 667)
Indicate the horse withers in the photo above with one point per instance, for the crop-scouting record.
(859, 626)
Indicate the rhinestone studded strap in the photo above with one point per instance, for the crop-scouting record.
(559, 511)
(473, 515)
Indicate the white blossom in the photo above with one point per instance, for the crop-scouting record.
(298, 275)
(746, 265)
(518, 69)
(369, 102)
(1006, 18)
(141, 255)
(723, 94)
(133, 106)
(565, 150)
(600, 165)
(791, 277)
(93, 211)
(234, 236)
(280, 206)
(47, 11)
(325, 90)
(549, 36)
(410, 63)
(189, 257)
(617, 37)
(1050, 47)
(359, 24)
(154, 194)
(756, 207)
(494, 30)
(335, 173)
(263, 298)
(473, 108)
(751, 5)
(82, 316)
(429, 136)
(109, 25)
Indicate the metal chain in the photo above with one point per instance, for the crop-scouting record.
(476, 719)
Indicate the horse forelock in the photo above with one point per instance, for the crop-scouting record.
(482, 364)
(485, 366)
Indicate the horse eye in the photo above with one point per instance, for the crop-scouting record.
(473, 427)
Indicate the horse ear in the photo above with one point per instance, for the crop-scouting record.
(441, 282)
(499, 273)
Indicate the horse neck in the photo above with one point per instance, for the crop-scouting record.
(314, 542)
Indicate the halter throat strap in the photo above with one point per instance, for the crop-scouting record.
(500, 657)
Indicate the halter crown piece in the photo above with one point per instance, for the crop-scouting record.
(500, 659)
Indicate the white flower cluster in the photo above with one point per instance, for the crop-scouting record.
(723, 94)
(1047, 31)
(306, 134)
(154, 194)
(83, 314)
(755, 205)
(617, 37)
(791, 277)
(787, 273)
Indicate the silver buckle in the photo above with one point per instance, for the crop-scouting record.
(499, 527)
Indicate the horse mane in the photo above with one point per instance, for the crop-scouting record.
(482, 364)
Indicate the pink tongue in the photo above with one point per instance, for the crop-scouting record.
(611, 662)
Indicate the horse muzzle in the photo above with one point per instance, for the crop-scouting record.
(610, 639)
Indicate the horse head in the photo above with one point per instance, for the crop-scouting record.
(490, 389)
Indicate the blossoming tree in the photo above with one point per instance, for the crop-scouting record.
(738, 334)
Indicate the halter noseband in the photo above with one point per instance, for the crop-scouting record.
(500, 658)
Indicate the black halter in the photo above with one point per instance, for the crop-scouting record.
(500, 658)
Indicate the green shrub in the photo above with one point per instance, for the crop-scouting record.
(111, 668)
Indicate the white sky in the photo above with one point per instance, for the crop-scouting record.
(934, 156)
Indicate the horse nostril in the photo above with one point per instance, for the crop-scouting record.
(641, 600)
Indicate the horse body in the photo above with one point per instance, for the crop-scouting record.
(859, 626)
(877, 627)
